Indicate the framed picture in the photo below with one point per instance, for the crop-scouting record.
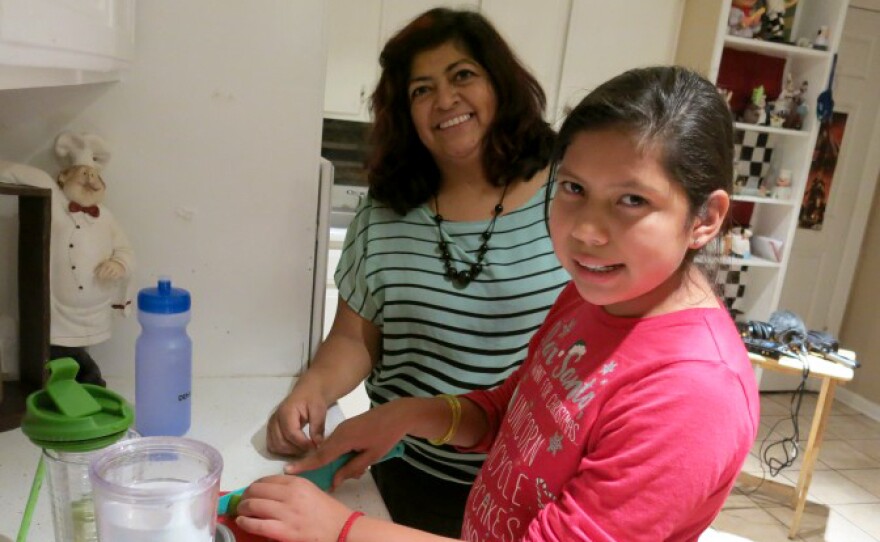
(821, 175)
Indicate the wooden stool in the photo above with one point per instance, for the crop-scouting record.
(830, 374)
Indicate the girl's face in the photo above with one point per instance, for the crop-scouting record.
(452, 103)
(620, 225)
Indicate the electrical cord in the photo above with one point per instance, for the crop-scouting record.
(796, 345)
(789, 445)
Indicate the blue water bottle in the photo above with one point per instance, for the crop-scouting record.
(163, 361)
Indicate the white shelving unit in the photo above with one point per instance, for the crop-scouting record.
(702, 42)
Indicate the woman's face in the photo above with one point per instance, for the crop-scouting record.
(452, 103)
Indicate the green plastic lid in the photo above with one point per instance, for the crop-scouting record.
(72, 417)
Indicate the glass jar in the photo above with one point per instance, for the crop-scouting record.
(73, 423)
(70, 491)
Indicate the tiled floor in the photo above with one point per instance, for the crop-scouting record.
(844, 497)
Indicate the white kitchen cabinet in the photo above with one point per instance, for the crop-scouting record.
(352, 57)
(397, 13)
(357, 30)
(569, 45)
(62, 42)
(702, 45)
(606, 38)
(537, 32)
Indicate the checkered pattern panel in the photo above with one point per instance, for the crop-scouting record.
(731, 283)
(753, 153)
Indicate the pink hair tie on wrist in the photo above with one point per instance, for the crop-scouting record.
(343, 534)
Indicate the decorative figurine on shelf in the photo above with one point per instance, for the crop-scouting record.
(782, 187)
(740, 246)
(774, 19)
(744, 20)
(820, 42)
(782, 105)
(762, 190)
(797, 110)
(756, 111)
(776, 120)
(739, 183)
(91, 259)
(727, 94)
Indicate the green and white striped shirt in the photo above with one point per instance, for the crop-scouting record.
(438, 337)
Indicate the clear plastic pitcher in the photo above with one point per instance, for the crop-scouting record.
(157, 489)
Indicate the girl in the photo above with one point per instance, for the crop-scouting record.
(637, 405)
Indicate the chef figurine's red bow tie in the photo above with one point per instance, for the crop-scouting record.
(91, 210)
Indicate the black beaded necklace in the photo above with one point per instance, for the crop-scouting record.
(464, 277)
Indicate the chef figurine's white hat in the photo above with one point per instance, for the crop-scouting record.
(81, 149)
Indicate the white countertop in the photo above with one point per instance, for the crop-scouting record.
(228, 413)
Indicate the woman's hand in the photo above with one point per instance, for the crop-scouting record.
(290, 509)
(342, 362)
(369, 436)
(284, 432)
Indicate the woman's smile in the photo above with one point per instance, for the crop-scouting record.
(455, 121)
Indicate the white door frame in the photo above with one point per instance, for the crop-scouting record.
(861, 213)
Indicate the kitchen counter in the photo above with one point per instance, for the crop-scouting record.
(228, 413)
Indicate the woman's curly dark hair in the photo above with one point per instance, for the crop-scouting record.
(400, 170)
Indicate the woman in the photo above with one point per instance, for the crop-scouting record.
(447, 269)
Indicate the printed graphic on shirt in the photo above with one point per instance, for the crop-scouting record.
(540, 442)
(555, 444)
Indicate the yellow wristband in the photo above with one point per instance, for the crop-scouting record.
(455, 405)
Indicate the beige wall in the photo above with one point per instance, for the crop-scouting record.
(861, 324)
(216, 136)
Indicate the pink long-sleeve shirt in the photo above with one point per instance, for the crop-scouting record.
(621, 429)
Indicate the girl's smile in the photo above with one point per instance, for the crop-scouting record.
(613, 205)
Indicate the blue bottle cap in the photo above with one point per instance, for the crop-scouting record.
(163, 299)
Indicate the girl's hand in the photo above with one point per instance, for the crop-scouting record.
(369, 436)
(290, 509)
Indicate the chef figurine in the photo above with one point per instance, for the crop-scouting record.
(91, 259)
